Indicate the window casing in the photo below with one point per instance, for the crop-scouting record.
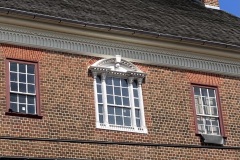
(208, 111)
(22, 88)
(118, 99)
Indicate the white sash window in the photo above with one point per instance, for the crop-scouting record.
(118, 95)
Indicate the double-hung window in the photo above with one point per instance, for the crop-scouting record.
(208, 113)
(118, 96)
(22, 87)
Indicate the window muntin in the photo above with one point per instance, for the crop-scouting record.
(207, 110)
(118, 106)
(22, 87)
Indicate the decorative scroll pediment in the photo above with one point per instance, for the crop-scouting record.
(117, 64)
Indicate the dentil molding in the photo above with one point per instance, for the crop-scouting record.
(105, 48)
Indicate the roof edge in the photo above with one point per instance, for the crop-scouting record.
(11, 11)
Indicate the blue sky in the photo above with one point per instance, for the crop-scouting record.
(230, 6)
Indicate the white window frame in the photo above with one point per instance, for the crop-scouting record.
(116, 67)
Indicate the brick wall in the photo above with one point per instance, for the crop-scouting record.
(211, 2)
(67, 103)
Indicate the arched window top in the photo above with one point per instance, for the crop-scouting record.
(117, 66)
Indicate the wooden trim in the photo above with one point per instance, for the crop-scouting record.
(37, 83)
(223, 133)
(7, 79)
(23, 115)
(37, 88)
(194, 110)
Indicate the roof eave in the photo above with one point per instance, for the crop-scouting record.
(132, 31)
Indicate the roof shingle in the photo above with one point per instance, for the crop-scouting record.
(175, 17)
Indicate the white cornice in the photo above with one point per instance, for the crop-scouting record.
(212, 7)
(93, 43)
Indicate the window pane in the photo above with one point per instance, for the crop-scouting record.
(110, 110)
(98, 79)
(118, 111)
(100, 108)
(22, 108)
(216, 130)
(119, 120)
(138, 123)
(126, 101)
(208, 121)
(99, 89)
(118, 100)
(126, 112)
(137, 113)
(214, 111)
(199, 109)
(205, 101)
(31, 88)
(31, 109)
(134, 84)
(211, 92)
(215, 121)
(207, 110)
(13, 66)
(13, 97)
(31, 99)
(125, 92)
(110, 99)
(204, 92)
(117, 91)
(196, 91)
(136, 102)
(208, 129)
(124, 82)
(30, 68)
(99, 98)
(111, 119)
(13, 107)
(127, 121)
(30, 79)
(109, 80)
(212, 101)
(198, 100)
(22, 68)
(14, 86)
(22, 78)
(13, 76)
(135, 93)
(116, 81)
(101, 118)
(198, 105)
(200, 120)
(201, 128)
(109, 90)
(22, 87)
(22, 98)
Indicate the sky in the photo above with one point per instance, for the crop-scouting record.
(230, 6)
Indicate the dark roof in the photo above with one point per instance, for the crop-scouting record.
(176, 17)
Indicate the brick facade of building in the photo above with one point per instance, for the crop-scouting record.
(68, 112)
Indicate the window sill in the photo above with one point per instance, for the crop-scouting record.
(23, 115)
(122, 128)
(212, 139)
